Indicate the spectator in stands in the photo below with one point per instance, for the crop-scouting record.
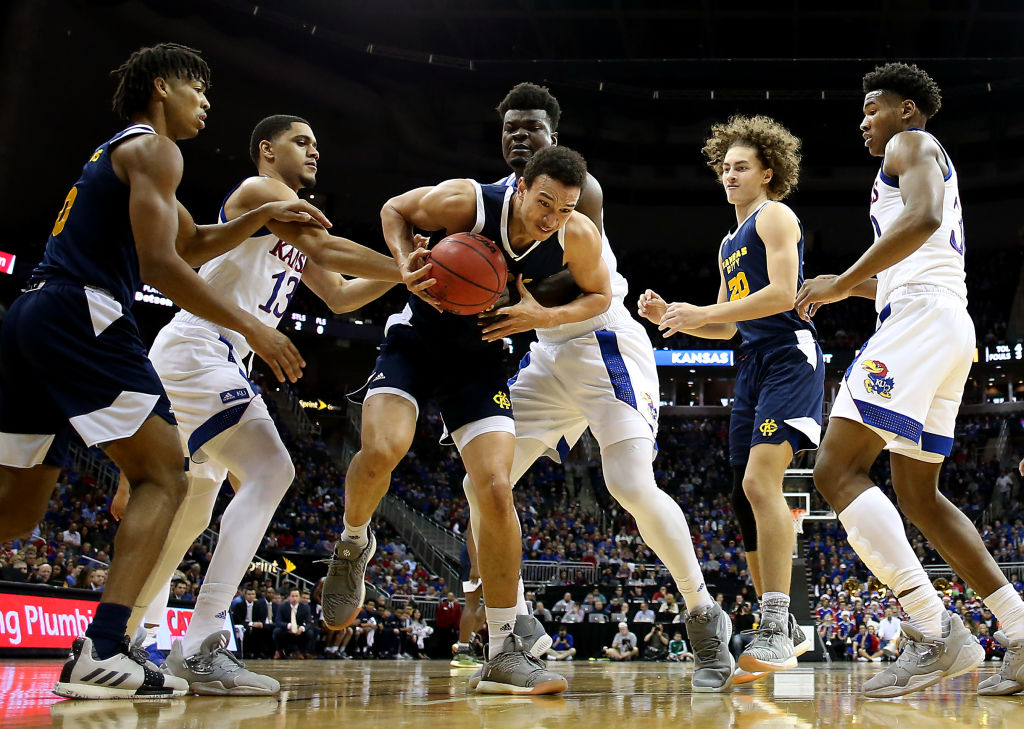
(292, 624)
(72, 536)
(644, 614)
(541, 613)
(565, 604)
(741, 623)
(889, 632)
(446, 623)
(420, 633)
(98, 580)
(562, 646)
(678, 651)
(179, 591)
(364, 629)
(575, 615)
(669, 604)
(868, 646)
(251, 618)
(42, 574)
(656, 643)
(624, 646)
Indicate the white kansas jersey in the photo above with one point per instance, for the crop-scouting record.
(620, 287)
(940, 260)
(259, 276)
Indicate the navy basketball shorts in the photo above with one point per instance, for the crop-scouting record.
(71, 358)
(778, 398)
(468, 384)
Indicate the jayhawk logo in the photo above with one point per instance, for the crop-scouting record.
(877, 382)
(651, 407)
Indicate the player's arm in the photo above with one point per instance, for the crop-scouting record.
(583, 257)
(449, 206)
(914, 158)
(655, 309)
(198, 244)
(152, 166)
(806, 308)
(340, 294)
(331, 252)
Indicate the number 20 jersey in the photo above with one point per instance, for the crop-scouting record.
(259, 276)
(940, 259)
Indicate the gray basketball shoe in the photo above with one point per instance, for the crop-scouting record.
(771, 649)
(927, 660)
(709, 630)
(122, 676)
(516, 671)
(801, 641)
(534, 637)
(1010, 679)
(344, 588)
(213, 671)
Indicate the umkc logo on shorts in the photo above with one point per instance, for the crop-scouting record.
(877, 382)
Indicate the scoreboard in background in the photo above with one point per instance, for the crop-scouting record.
(1003, 353)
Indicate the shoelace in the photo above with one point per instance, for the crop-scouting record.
(503, 660)
(926, 650)
(706, 649)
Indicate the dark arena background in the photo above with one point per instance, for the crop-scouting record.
(402, 94)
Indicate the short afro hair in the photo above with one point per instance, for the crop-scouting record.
(908, 82)
(269, 128)
(135, 76)
(560, 164)
(531, 96)
(777, 148)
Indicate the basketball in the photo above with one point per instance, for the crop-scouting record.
(471, 273)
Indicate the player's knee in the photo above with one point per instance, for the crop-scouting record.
(494, 496)
(379, 459)
(917, 507)
(830, 474)
(759, 491)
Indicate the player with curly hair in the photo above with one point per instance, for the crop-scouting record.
(903, 390)
(781, 379)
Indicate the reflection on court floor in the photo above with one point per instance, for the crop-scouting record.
(416, 694)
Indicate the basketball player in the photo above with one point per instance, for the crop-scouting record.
(70, 352)
(780, 382)
(600, 373)
(223, 422)
(472, 618)
(536, 226)
(903, 390)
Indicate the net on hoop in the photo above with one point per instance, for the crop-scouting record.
(798, 520)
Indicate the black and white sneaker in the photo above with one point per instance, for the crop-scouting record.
(122, 676)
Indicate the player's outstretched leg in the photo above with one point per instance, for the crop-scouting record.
(389, 423)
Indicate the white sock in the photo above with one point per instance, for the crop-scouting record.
(357, 534)
(1008, 608)
(875, 531)
(500, 623)
(629, 476)
(521, 607)
(775, 606)
(211, 608)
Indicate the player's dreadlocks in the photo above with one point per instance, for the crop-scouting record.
(908, 82)
(135, 76)
(531, 96)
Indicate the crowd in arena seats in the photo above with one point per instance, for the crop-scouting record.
(73, 543)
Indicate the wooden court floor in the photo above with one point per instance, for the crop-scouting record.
(431, 695)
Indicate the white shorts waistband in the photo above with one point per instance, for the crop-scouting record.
(916, 289)
(563, 333)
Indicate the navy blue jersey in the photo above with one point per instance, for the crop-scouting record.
(542, 259)
(745, 265)
(92, 242)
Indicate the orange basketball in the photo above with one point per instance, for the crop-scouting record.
(471, 273)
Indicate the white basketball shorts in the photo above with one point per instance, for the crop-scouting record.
(907, 381)
(208, 389)
(606, 379)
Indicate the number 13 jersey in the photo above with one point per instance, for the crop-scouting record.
(259, 276)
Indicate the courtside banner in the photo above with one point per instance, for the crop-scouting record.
(6, 262)
(31, 622)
